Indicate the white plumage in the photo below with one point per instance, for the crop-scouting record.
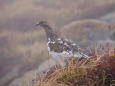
(60, 48)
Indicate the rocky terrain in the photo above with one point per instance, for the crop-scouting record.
(23, 46)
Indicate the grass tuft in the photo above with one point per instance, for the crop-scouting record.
(98, 71)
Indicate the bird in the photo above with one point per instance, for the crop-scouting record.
(60, 48)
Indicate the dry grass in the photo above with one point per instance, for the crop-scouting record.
(53, 11)
(25, 45)
(96, 71)
(27, 49)
(21, 16)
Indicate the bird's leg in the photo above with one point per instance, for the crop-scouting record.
(61, 61)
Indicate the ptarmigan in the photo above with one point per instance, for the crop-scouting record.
(59, 47)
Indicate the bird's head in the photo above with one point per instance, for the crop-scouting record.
(42, 23)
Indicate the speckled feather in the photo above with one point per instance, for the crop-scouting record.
(60, 47)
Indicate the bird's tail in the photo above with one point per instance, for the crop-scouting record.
(84, 56)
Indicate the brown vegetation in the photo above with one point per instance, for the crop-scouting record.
(22, 45)
(97, 71)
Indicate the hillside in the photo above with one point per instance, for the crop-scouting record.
(89, 29)
(23, 46)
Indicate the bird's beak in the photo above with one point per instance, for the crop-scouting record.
(37, 24)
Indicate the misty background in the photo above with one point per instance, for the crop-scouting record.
(23, 46)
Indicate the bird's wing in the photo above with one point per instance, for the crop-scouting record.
(75, 49)
(73, 46)
(61, 45)
(58, 47)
